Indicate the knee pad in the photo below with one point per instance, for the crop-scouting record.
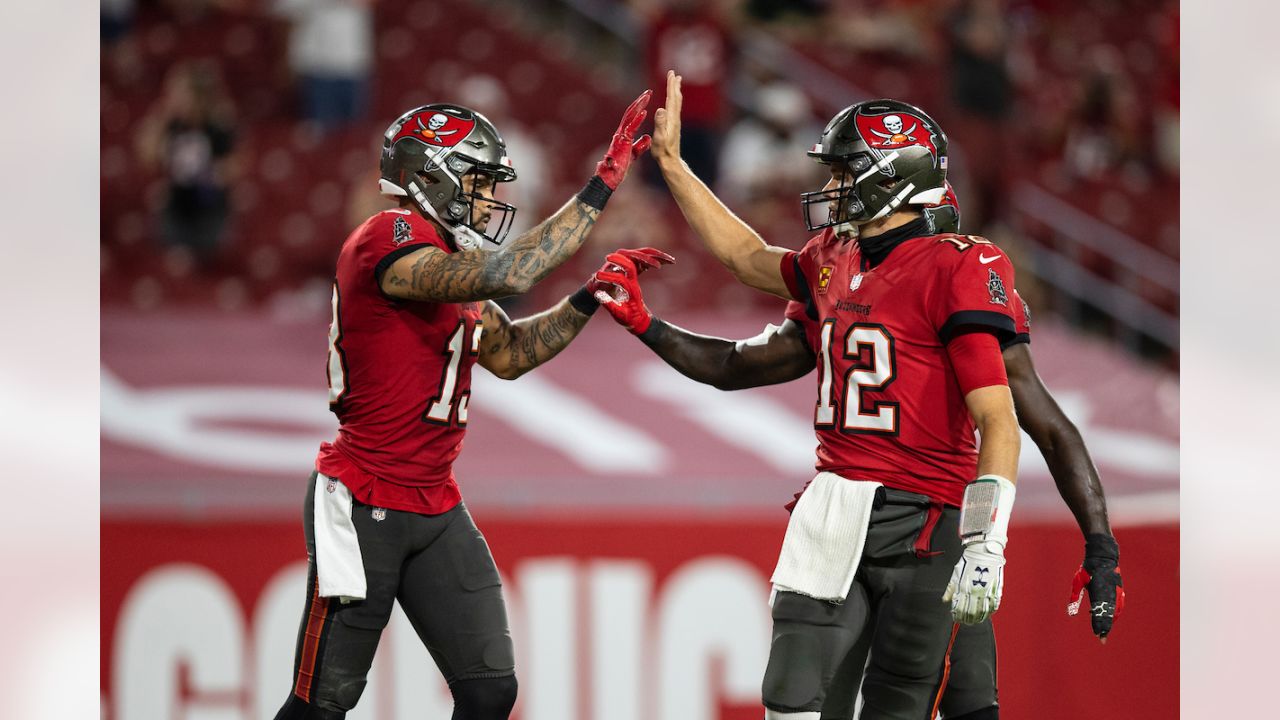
(484, 698)
(298, 709)
(793, 678)
(991, 712)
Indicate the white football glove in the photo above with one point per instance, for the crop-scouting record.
(978, 578)
(976, 583)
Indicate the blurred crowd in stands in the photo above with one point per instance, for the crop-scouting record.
(240, 137)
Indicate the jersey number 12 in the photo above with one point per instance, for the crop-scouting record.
(859, 415)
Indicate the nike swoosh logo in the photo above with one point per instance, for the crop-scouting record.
(985, 260)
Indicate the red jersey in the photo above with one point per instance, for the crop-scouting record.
(399, 375)
(890, 408)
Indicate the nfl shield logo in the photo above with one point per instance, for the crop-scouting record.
(379, 514)
(855, 282)
(332, 485)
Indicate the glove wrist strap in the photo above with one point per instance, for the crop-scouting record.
(584, 301)
(984, 515)
(650, 335)
(595, 194)
(1102, 547)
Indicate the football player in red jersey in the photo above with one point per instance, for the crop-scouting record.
(412, 313)
(907, 517)
(781, 354)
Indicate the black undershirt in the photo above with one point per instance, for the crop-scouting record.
(876, 248)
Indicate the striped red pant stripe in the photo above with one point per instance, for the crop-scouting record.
(946, 671)
(317, 614)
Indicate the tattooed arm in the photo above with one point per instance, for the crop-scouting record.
(510, 348)
(433, 275)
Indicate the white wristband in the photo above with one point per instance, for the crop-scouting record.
(984, 515)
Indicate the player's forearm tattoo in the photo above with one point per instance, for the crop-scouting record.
(461, 277)
(543, 336)
(521, 345)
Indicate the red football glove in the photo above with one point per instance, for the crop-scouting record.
(623, 149)
(616, 285)
(1100, 575)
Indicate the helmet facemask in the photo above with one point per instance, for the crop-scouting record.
(475, 220)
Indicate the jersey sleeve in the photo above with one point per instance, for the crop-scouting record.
(799, 272)
(392, 235)
(1021, 321)
(796, 311)
(975, 290)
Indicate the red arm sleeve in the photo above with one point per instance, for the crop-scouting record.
(976, 357)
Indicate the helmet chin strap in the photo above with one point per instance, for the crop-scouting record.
(465, 238)
(893, 203)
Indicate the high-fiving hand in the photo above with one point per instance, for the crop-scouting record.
(624, 147)
(616, 285)
(666, 123)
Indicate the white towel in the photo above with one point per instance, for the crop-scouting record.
(339, 565)
(825, 537)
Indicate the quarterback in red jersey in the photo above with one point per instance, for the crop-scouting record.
(781, 354)
(412, 314)
(907, 517)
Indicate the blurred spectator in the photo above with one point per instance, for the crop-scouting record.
(331, 54)
(764, 154)
(115, 20)
(773, 10)
(189, 136)
(1105, 131)
(982, 99)
(528, 193)
(891, 29)
(692, 38)
(1167, 102)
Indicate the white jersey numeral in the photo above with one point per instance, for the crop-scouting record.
(825, 414)
(465, 398)
(441, 406)
(335, 368)
(860, 415)
(879, 417)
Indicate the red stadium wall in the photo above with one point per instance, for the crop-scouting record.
(619, 618)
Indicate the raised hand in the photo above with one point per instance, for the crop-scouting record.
(666, 123)
(624, 148)
(616, 285)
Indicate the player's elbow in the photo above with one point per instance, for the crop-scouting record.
(508, 371)
(727, 384)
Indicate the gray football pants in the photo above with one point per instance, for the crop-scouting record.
(912, 633)
(438, 567)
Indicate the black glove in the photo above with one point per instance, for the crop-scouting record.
(1100, 575)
